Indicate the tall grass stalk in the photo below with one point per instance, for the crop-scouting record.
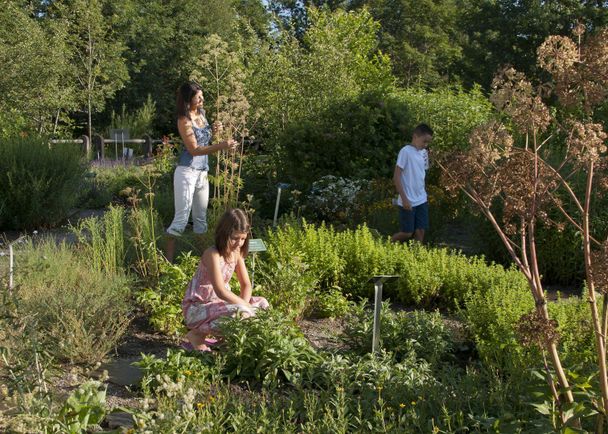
(145, 232)
(102, 240)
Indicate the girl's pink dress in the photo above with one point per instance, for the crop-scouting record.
(202, 307)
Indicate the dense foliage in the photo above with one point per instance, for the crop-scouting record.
(40, 184)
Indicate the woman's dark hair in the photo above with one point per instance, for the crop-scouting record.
(185, 93)
(233, 220)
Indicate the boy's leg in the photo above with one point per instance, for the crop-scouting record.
(421, 221)
(406, 225)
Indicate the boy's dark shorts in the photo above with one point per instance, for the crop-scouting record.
(415, 218)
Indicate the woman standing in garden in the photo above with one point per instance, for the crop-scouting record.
(208, 296)
(190, 181)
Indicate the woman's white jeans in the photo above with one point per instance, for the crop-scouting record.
(191, 193)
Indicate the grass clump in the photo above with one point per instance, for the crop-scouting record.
(81, 312)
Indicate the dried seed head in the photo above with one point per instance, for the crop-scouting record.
(557, 55)
(534, 330)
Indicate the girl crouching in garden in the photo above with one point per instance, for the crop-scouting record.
(208, 296)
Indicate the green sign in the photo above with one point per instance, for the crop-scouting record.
(256, 245)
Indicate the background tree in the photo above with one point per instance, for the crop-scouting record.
(34, 71)
(165, 39)
(507, 32)
(422, 37)
(96, 54)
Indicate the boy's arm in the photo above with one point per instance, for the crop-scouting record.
(399, 187)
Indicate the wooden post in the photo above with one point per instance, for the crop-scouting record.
(98, 146)
(86, 146)
(147, 147)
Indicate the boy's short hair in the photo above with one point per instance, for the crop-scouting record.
(422, 130)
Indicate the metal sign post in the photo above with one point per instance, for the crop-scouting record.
(378, 282)
(280, 186)
(255, 245)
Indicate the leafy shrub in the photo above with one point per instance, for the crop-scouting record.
(82, 312)
(314, 246)
(576, 343)
(286, 287)
(416, 334)
(39, 184)
(492, 318)
(348, 259)
(139, 122)
(374, 207)
(330, 303)
(163, 302)
(177, 365)
(267, 348)
(332, 198)
(104, 184)
(372, 377)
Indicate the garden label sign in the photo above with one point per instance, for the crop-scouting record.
(256, 245)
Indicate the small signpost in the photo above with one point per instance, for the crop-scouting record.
(280, 186)
(378, 282)
(256, 245)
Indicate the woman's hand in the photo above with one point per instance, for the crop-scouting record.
(229, 145)
(217, 127)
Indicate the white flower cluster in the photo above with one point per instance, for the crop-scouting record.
(331, 196)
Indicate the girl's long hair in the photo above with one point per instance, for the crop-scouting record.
(233, 220)
(185, 93)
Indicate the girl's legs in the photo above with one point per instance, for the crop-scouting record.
(197, 339)
(200, 202)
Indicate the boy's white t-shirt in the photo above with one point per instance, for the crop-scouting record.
(414, 164)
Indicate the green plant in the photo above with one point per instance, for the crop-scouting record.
(329, 303)
(417, 334)
(177, 365)
(145, 230)
(267, 348)
(82, 312)
(138, 123)
(86, 406)
(104, 184)
(101, 240)
(287, 287)
(348, 259)
(40, 183)
(163, 301)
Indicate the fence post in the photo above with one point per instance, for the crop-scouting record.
(98, 146)
(86, 146)
(147, 147)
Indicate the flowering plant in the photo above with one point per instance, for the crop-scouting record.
(334, 198)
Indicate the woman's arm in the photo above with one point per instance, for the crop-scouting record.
(243, 276)
(184, 126)
(211, 259)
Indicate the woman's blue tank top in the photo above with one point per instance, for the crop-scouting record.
(199, 162)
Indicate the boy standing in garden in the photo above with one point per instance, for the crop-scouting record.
(410, 171)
